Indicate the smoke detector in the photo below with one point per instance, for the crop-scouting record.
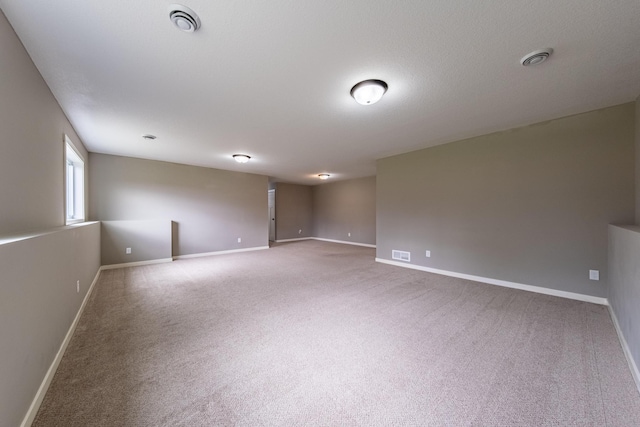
(184, 18)
(536, 57)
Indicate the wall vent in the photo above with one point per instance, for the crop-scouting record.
(401, 255)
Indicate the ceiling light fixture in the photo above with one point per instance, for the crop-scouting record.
(368, 92)
(323, 175)
(184, 18)
(241, 158)
(536, 57)
(149, 136)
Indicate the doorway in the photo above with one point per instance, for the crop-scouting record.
(272, 215)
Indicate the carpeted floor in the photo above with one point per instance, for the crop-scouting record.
(317, 334)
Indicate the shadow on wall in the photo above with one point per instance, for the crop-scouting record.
(134, 241)
(175, 239)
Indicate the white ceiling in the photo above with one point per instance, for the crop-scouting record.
(272, 78)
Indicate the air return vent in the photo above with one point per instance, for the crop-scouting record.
(401, 255)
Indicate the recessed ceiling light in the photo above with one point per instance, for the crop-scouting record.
(149, 136)
(241, 158)
(323, 176)
(184, 18)
(368, 92)
(536, 57)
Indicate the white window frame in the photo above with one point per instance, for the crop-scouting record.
(74, 208)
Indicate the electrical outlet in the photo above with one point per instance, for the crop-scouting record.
(349, 234)
(239, 239)
(428, 254)
(78, 286)
(594, 274)
(299, 231)
(127, 251)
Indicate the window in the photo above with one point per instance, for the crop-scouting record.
(74, 180)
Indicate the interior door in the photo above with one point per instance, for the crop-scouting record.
(272, 215)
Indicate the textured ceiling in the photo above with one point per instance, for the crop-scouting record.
(272, 78)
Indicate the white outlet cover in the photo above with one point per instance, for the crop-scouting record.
(349, 234)
(128, 251)
(428, 254)
(239, 239)
(594, 274)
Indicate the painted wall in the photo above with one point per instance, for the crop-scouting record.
(32, 140)
(43, 259)
(38, 303)
(638, 160)
(624, 268)
(624, 292)
(293, 211)
(529, 205)
(344, 207)
(211, 208)
(117, 236)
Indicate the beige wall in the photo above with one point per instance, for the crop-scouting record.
(624, 267)
(148, 240)
(211, 208)
(530, 205)
(293, 211)
(38, 303)
(624, 276)
(344, 207)
(38, 298)
(638, 161)
(32, 139)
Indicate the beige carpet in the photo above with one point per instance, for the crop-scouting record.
(317, 334)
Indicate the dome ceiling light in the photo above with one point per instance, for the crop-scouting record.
(369, 92)
(323, 175)
(184, 18)
(241, 158)
(536, 57)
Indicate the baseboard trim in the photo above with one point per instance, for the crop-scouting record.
(625, 348)
(504, 283)
(344, 242)
(46, 382)
(231, 251)
(135, 264)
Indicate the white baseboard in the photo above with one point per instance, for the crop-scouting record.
(44, 386)
(344, 242)
(625, 348)
(231, 251)
(504, 283)
(135, 264)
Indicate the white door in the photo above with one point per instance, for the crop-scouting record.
(272, 215)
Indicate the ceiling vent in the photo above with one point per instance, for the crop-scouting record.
(184, 18)
(536, 57)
